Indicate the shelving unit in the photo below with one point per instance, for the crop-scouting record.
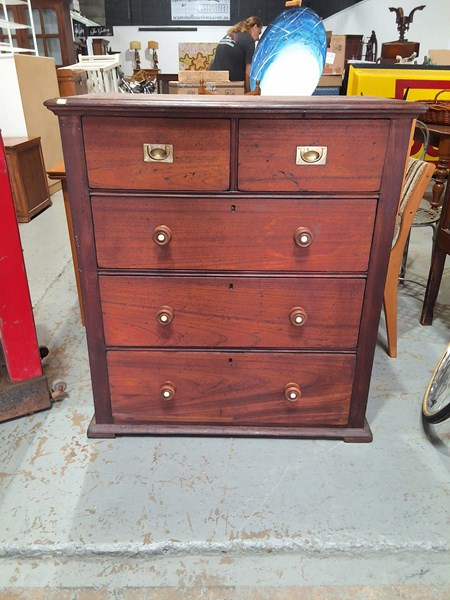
(9, 47)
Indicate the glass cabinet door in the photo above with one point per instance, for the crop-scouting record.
(47, 33)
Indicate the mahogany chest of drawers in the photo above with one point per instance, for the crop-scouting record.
(232, 256)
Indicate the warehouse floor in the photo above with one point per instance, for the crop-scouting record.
(223, 518)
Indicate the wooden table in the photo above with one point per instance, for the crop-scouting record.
(440, 137)
(163, 81)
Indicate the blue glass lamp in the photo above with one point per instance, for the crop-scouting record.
(290, 55)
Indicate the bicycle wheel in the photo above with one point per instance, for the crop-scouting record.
(436, 402)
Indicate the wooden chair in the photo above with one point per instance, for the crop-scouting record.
(426, 216)
(417, 177)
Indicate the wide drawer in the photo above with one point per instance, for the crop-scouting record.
(268, 152)
(230, 387)
(200, 150)
(257, 312)
(233, 234)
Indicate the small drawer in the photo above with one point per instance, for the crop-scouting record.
(122, 153)
(232, 312)
(349, 155)
(259, 388)
(233, 234)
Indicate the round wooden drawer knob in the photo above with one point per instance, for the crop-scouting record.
(162, 235)
(165, 315)
(298, 316)
(303, 237)
(168, 390)
(292, 392)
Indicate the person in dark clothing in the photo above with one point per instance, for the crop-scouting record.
(234, 52)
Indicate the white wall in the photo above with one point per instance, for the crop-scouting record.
(430, 27)
(12, 118)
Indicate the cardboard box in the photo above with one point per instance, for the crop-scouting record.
(342, 48)
(195, 76)
(335, 60)
(439, 57)
(330, 81)
(228, 88)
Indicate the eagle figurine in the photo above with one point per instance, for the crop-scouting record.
(403, 22)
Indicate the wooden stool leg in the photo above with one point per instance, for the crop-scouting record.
(433, 284)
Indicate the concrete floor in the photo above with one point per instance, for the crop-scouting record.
(158, 518)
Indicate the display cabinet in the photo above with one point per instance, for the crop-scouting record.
(44, 28)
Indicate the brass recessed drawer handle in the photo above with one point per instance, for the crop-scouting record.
(292, 392)
(298, 316)
(311, 155)
(158, 153)
(162, 235)
(165, 315)
(168, 390)
(303, 237)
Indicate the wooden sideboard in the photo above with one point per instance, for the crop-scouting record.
(27, 176)
(232, 256)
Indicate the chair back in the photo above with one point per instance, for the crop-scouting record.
(417, 176)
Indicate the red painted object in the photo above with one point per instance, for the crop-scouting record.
(17, 328)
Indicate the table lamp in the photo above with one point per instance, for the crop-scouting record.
(136, 46)
(153, 46)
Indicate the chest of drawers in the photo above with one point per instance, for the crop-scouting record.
(232, 257)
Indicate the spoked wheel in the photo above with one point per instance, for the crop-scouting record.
(436, 402)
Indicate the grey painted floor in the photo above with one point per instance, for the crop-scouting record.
(154, 517)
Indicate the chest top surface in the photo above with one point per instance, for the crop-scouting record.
(265, 106)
